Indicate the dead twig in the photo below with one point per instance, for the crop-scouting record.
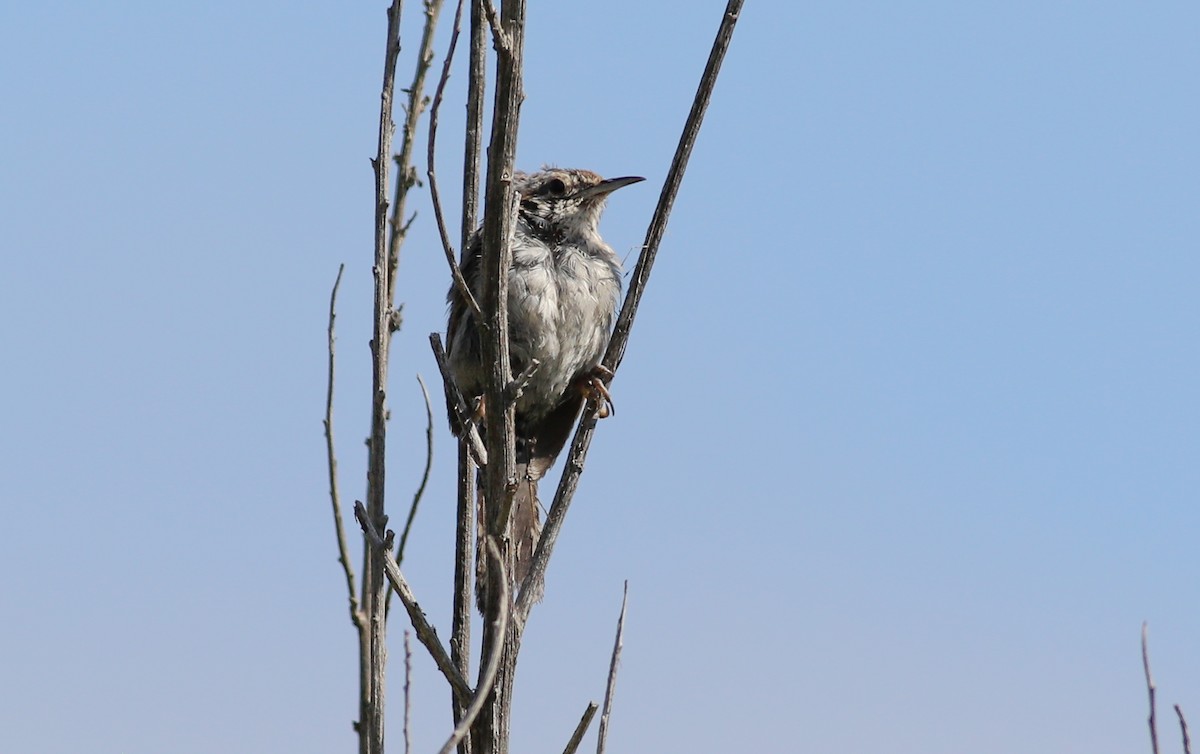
(610, 690)
(520, 382)
(468, 430)
(426, 633)
(581, 729)
(535, 579)
(412, 509)
(493, 664)
(476, 80)
(500, 39)
(407, 693)
(465, 526)
(499, 218)
(406, 176)
(373, 651)
(1150, 691)
(456, 275)
(356, 616)
(1187, 739)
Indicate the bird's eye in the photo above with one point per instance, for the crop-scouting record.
(556, 187)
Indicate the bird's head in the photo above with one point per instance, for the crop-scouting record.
(563, 203)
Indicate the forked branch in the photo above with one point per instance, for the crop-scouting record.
(426, 633)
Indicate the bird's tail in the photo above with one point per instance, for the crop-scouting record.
(524, 529)
(538, 444)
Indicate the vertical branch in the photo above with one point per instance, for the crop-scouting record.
(491, 731)
(464, 540)
(407, 694)
(1149, 691)
(488, 673)
(610, 690)
(406, 174)
(331, 461)
(435, 195)
(476, 75)
(465, 528)
(499, 219)
(573, 467)
(373, 652)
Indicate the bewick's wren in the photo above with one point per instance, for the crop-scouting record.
(564, 286)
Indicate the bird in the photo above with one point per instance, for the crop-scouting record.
(564, 286)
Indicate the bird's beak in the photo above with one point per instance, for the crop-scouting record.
(604, 188)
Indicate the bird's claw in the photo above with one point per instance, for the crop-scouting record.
(595, 389)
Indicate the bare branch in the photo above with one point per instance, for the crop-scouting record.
(407, 694)
(412, 510)
(476, 79)
(465, 527)
(580, 729)
(1149, 690)
(1187, 740)
(431, 172)
(610, 690)
(493, 663)
(426, 633)
(520, 382)
(535, 579)
(666, 199)
(464, 570)
(406, 174)
(499, 218)
(356, 616)
(463, 414)
(373, 652)
(499, 38)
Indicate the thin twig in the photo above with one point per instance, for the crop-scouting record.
(426, 633)
(412, 510)
(515, 388)
(455, 396)
(431, 172)
(407, 693)
(1187, 740)
(666, 199)
(534, 582)
(406, 176)
(493, 664)
(476, 80)
(499, 37)
(610, 690)
(1150, 691)
(356, 616)
(581, 729)
(464, 573)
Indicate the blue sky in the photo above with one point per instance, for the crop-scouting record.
(907, 433)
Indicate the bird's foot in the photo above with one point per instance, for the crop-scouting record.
(594, 386)
(480, 410)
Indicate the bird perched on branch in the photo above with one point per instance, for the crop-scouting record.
(564, 286)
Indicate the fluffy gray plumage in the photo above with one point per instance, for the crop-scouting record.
(564, 286)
